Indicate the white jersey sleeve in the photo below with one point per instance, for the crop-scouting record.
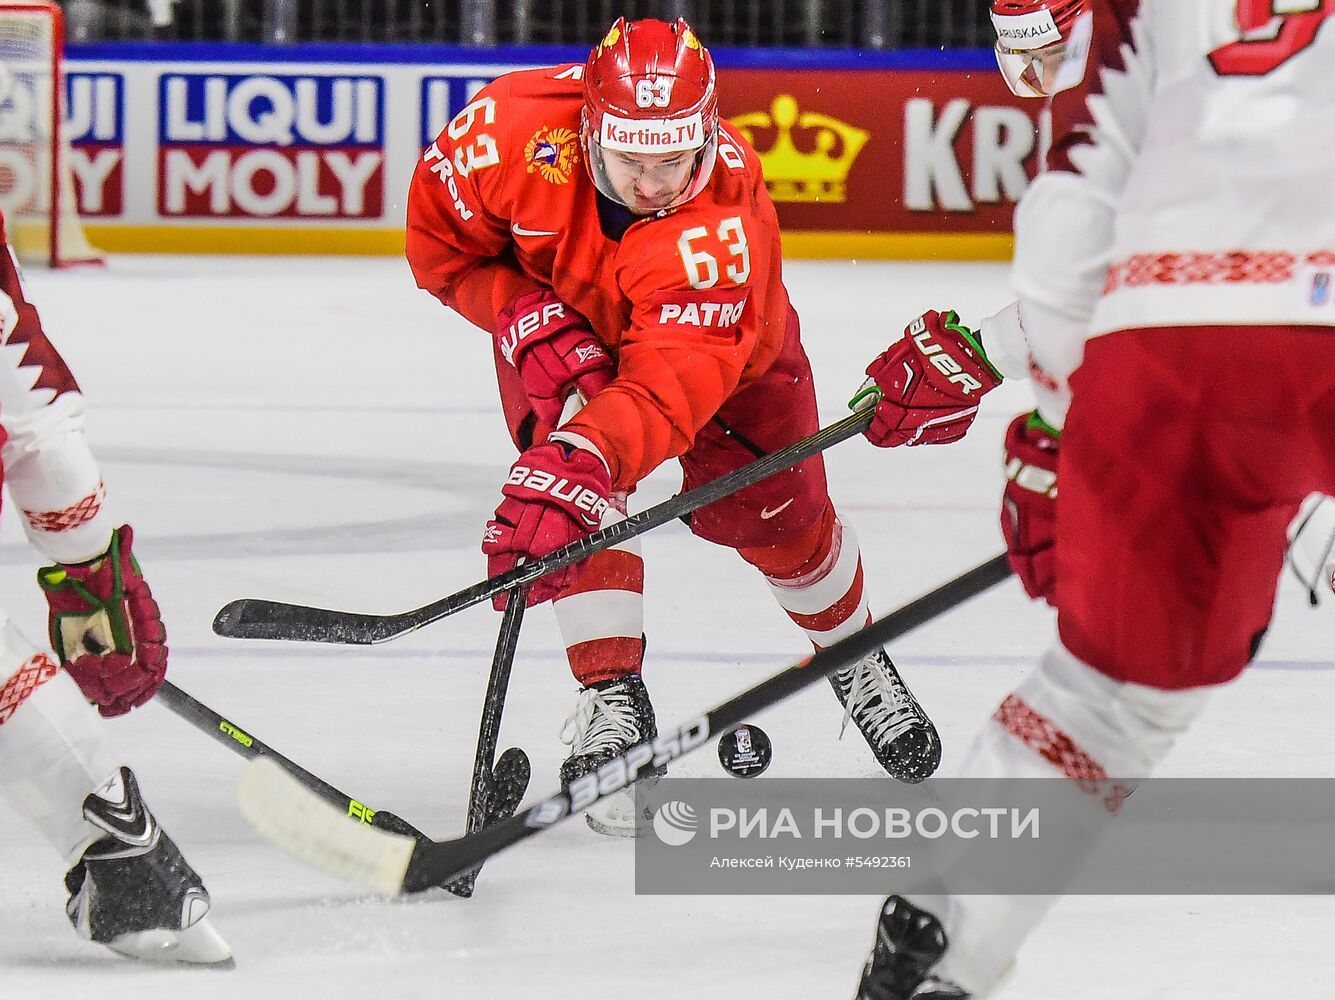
(48, 467)
(1184, 177)
(1015, 342)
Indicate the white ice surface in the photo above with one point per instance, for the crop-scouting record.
(319, 431)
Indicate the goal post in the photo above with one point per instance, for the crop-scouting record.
(37, 191)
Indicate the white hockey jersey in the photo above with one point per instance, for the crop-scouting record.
(1188, 178)
(44, 458)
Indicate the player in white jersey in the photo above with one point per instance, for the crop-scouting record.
(1174, 264)
(129, 887)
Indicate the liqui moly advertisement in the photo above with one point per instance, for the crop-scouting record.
(95, 128)
(25, 134)
(255, 146)
(310, 149)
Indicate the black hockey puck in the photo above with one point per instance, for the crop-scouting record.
(745, 751)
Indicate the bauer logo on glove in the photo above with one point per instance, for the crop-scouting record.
(590, 504)
(528, 324)
(929, 382)
(943, 362)
(554, 351)
(554, 495)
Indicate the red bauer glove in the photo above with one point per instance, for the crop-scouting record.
(554, 350)
(106, 628)
(930, 383)
(554, 495)
(1029, 503)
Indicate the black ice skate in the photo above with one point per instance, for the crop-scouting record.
(896, 728)
(133, 892)
(909, 942)
(610, 718)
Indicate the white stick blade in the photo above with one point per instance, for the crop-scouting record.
(290, 815)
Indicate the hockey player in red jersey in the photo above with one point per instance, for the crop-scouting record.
(129, 887)
(616, 239)
(1173, 262)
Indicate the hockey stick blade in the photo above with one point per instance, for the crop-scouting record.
(506, 786)
(509, 784)
(250, 747)
(286, 812)
(317, 834)
(249, 618)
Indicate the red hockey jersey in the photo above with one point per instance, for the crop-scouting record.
(689, 301)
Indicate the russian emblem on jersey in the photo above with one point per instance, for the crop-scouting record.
(553, 153)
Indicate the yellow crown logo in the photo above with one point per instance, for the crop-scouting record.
(792, 175)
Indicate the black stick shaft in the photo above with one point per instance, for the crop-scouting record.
(435, 861)
(489, 732)
(249, 618)
(242, 743)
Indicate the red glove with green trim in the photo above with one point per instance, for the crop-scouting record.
(1029, 503)
(106, 628)
(930, 383)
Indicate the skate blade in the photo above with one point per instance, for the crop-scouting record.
(199, 944)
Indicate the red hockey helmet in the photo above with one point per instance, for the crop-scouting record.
(1032, 36)
(650, 121)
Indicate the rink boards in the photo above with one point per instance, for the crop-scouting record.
(308, 149)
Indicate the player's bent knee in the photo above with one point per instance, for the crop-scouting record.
(798, 555)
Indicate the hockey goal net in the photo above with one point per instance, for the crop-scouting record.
(36, 184)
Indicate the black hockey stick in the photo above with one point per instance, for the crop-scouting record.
(241, 742)
(498, 785)
(283, 811)
(249, 618)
